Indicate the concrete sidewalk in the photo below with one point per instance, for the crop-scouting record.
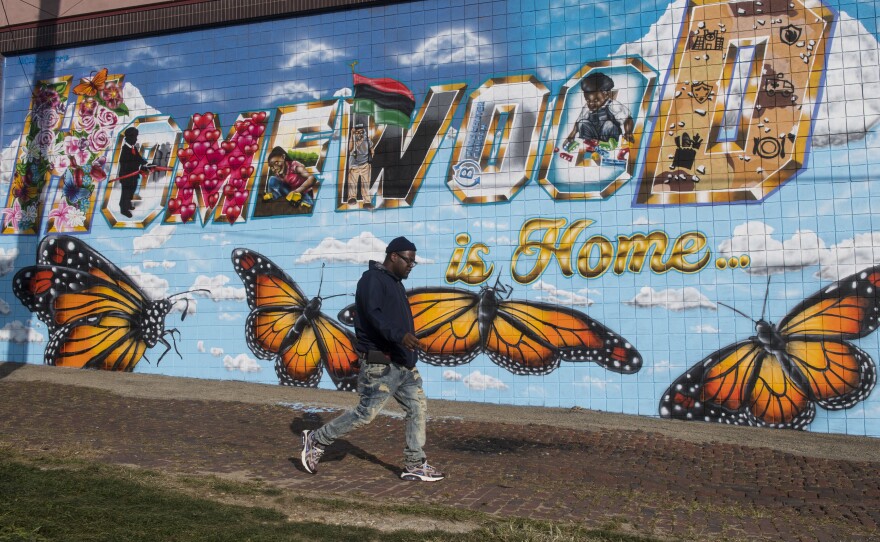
(657, 478)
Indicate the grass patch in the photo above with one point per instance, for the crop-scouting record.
(52, 499)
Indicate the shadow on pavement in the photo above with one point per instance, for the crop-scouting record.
(338, 451)
(8, 367)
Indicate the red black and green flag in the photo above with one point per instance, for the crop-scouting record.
(386, 100)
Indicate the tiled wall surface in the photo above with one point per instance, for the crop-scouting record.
(651, 208)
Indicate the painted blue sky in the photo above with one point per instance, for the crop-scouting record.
(816, 229)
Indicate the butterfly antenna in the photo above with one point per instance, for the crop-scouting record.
(202, 290)
(766, 297)
(335, 295)
(321, 283)
(187, 300)
(741, 313)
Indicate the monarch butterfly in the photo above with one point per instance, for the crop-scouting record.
(777, 377)
(286, 326)
(524, 337)
(90, 86)
(97, 317)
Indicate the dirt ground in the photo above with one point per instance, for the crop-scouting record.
(654, 477)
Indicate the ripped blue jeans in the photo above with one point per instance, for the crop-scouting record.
(377, 384)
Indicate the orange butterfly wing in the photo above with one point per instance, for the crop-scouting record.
(517, 350)
(847, 309)
(575, 335)
(283, 327)
(90, 86)
(446, 323)
(107, 343)
(337, 345)
(836, 374)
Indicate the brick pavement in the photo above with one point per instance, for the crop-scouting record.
(652, 482)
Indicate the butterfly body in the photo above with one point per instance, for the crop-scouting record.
(777, 377)
(310, 313)
(97, 317)
(286, 326)
(487, 310)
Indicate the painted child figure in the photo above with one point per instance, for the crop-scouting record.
(602, 118)
(290, 180)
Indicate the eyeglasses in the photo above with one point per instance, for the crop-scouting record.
(411, 263)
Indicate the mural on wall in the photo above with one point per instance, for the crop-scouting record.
(617, 190)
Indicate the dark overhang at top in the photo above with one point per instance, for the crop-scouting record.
(156, 18)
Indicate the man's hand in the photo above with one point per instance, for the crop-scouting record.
(410, 341)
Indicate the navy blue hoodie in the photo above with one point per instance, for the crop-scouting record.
(383, 315)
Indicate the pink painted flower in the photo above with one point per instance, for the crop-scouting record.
(77, 149)
(88, 107)
(98, 141)
(12, 215)
(85, 123)
(106, 118)
(46, 98)
(60, 164)
(45, 139)
(67, 217)
(112, 95)
(46, 119)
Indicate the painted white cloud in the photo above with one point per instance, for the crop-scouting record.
(217, 352)
(552, 294)
(475, 381)
(657, 46)
(344, 92)
(194, 94)
(704, 328)
(154, 238)
(672, 299)
(313, 52)
(241, 363)
(18, 332)
(644, 221)
(290, 91)
(769, 256)
(4, 307)
(452, 376)
(137, 107)
(200, 346)
(7, 162)
(7, 260)
(216, 287)
(164, 264)
(360, 249)
(850, 105)
(450, 46)
(154, 286)
(850, 256)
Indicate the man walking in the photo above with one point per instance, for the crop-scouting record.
(387, 344)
